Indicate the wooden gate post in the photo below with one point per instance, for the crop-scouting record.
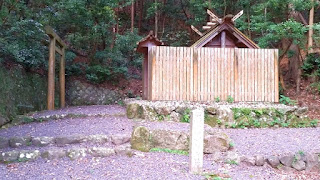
(62, 79)
(52, 46)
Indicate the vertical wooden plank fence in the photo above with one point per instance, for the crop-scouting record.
(187, 74)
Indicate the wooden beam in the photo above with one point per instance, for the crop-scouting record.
(52, 34)
(211, 23)
(214, 17)
(196, 30)
(59, 51)
(223, 39)
(237, 16)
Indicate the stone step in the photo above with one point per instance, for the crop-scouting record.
(64, 152)
(63, 114)
(58, 141)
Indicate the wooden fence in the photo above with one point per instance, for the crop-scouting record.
(204, 74)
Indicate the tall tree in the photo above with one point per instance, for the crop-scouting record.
(310, 33)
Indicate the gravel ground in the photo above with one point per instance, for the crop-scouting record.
(72, 126)
(153, 165)
(87, 110)
(275, 141)
(144, 166)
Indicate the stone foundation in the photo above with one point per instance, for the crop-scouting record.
(223, 115)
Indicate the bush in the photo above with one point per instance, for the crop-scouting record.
(22, 43)
(311, 65)
(75, 69)
(97, 74)
(287, 101)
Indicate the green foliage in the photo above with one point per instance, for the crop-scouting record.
(217, 99)
(169, 151)
(287, 101)
(230, 99)
(232, 162)
(186, 116)
(315, 87)
(311, 65)
(213, 176)
(301, 153)
(97, 74)
(314, 123)
(75, 69)
(21, 42)
(177, 38)
(231, 144)
(289, 29)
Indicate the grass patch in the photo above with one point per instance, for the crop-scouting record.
(181, 152)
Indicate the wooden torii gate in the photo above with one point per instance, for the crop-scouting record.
(55, 39)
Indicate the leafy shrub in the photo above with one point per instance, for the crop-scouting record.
(97, 74)
(230, 99)
(311, 65)
(287, 101)
(75, 69)
(186, 116)
(22, 43)
(315, 87)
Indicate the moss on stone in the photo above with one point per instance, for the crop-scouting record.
(141, 139)
(134, 110)
(211, 110)
(212, 120)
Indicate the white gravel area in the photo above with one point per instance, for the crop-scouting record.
(156, 165)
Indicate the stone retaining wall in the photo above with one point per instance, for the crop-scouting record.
(78, 93)
(144, 139)
(222, 114)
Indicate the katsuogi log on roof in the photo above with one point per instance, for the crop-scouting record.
(222, 33)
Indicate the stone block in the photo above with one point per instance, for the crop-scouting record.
(54, 154)
(101, 152)
(140, 139)
(20, 141)
(260, 160)
(4, 142)
(273, 161)
(120, 139)
(42, 141)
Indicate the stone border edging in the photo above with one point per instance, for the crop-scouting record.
(75, 153)
(17, 142)
(287, 162)
(25, 119)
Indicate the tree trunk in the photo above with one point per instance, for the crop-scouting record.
(156, 20)
(310, 42)
(141, 15)
(132, 15)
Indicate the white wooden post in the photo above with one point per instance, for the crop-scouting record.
(196, 141)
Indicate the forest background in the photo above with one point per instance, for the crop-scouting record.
(101, 36)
